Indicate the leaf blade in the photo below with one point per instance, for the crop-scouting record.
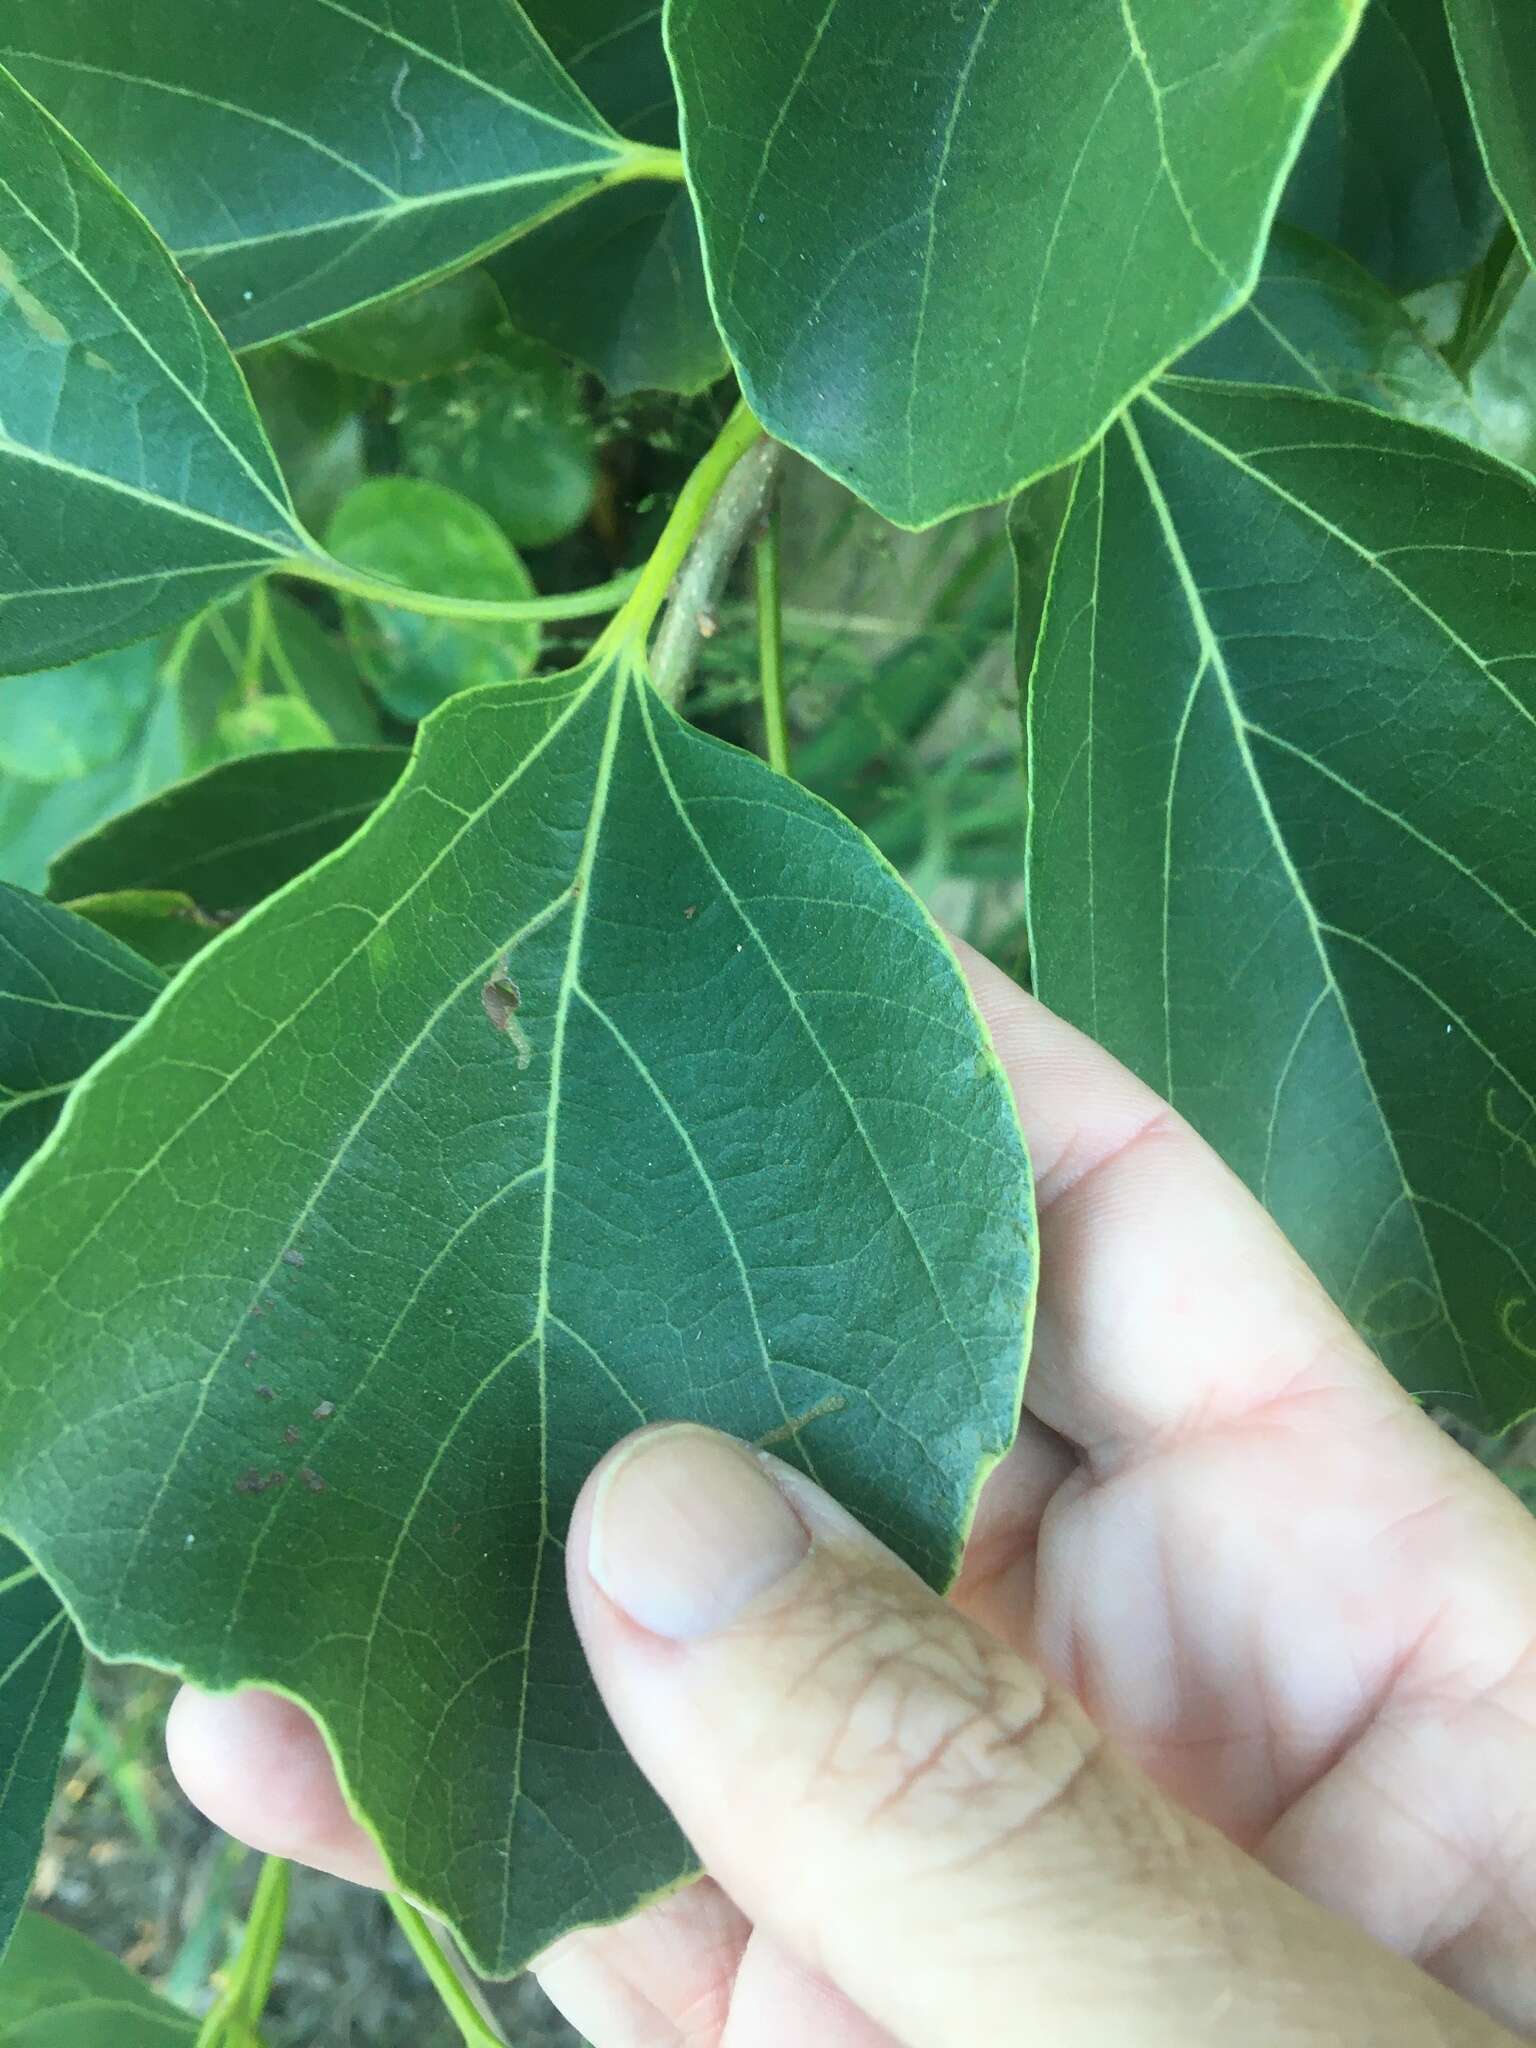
(1367, 1076)
(67, 994)
(59, 1990)
(1493, 48)
(868, 337)
(125, 420)
(290, 203)
(563, 832)
(1390, 171)
(40, 1672)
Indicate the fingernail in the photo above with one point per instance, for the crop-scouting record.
(687, 1530)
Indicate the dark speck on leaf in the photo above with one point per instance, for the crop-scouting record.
(249, 1360)
(312, 1479)
(292, 1257)
(325, 1411)
(277, 1479)
(250, 1482)
(266, 1393)
(292, 1435)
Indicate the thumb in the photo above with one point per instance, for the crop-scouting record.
(912, 1810)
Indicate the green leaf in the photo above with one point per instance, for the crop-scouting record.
(1496, 48)
(946, 243)
(429, 538)
(678, 1172)
(1319, 322)
(1503, 382)
(67, 993)
(229, 838)
(1390, 171)
(423, 334)
(262, 655)
(312, 414)
(305, 157)
(37, 818)
(40, 1667)
(58, 1990)
(620, 285)
(135, 481)
(508, 433)
(65, 722)
(163, 926)
(1282, 731)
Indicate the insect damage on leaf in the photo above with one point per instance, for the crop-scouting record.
(502, 1001)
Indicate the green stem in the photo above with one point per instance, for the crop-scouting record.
(460, 2006)
(232, 2021)
(486, 611)
(646, 161)
(630, 629)
(770, 641)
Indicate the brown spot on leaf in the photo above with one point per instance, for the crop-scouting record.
(690, 911)
(311, 1479)
(292, 1436)
(266, 1393)
(325, 1411)
(292, 1257)
(250, 1482)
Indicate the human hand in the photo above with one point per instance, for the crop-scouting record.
(1227, 1734)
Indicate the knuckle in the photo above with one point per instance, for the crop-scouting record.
(931, 1726)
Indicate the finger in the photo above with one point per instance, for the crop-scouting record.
(778, 2002)
(258, 1767)
(662, 1979)
(911, 1810)
(1170, 1304)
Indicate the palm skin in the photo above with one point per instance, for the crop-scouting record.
(1269, 1578)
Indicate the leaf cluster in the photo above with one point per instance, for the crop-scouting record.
(428, 1049)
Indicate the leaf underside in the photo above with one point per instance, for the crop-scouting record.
(1286, 693)
(604, 1077)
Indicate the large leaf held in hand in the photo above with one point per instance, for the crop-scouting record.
(40, 1666)
(946, 242)
(135, 481)
(58, 1990)
(1283, 860)
(67, 993)
(1496, 45)
(303, 157)
(605, 1076)
(1390, 171)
